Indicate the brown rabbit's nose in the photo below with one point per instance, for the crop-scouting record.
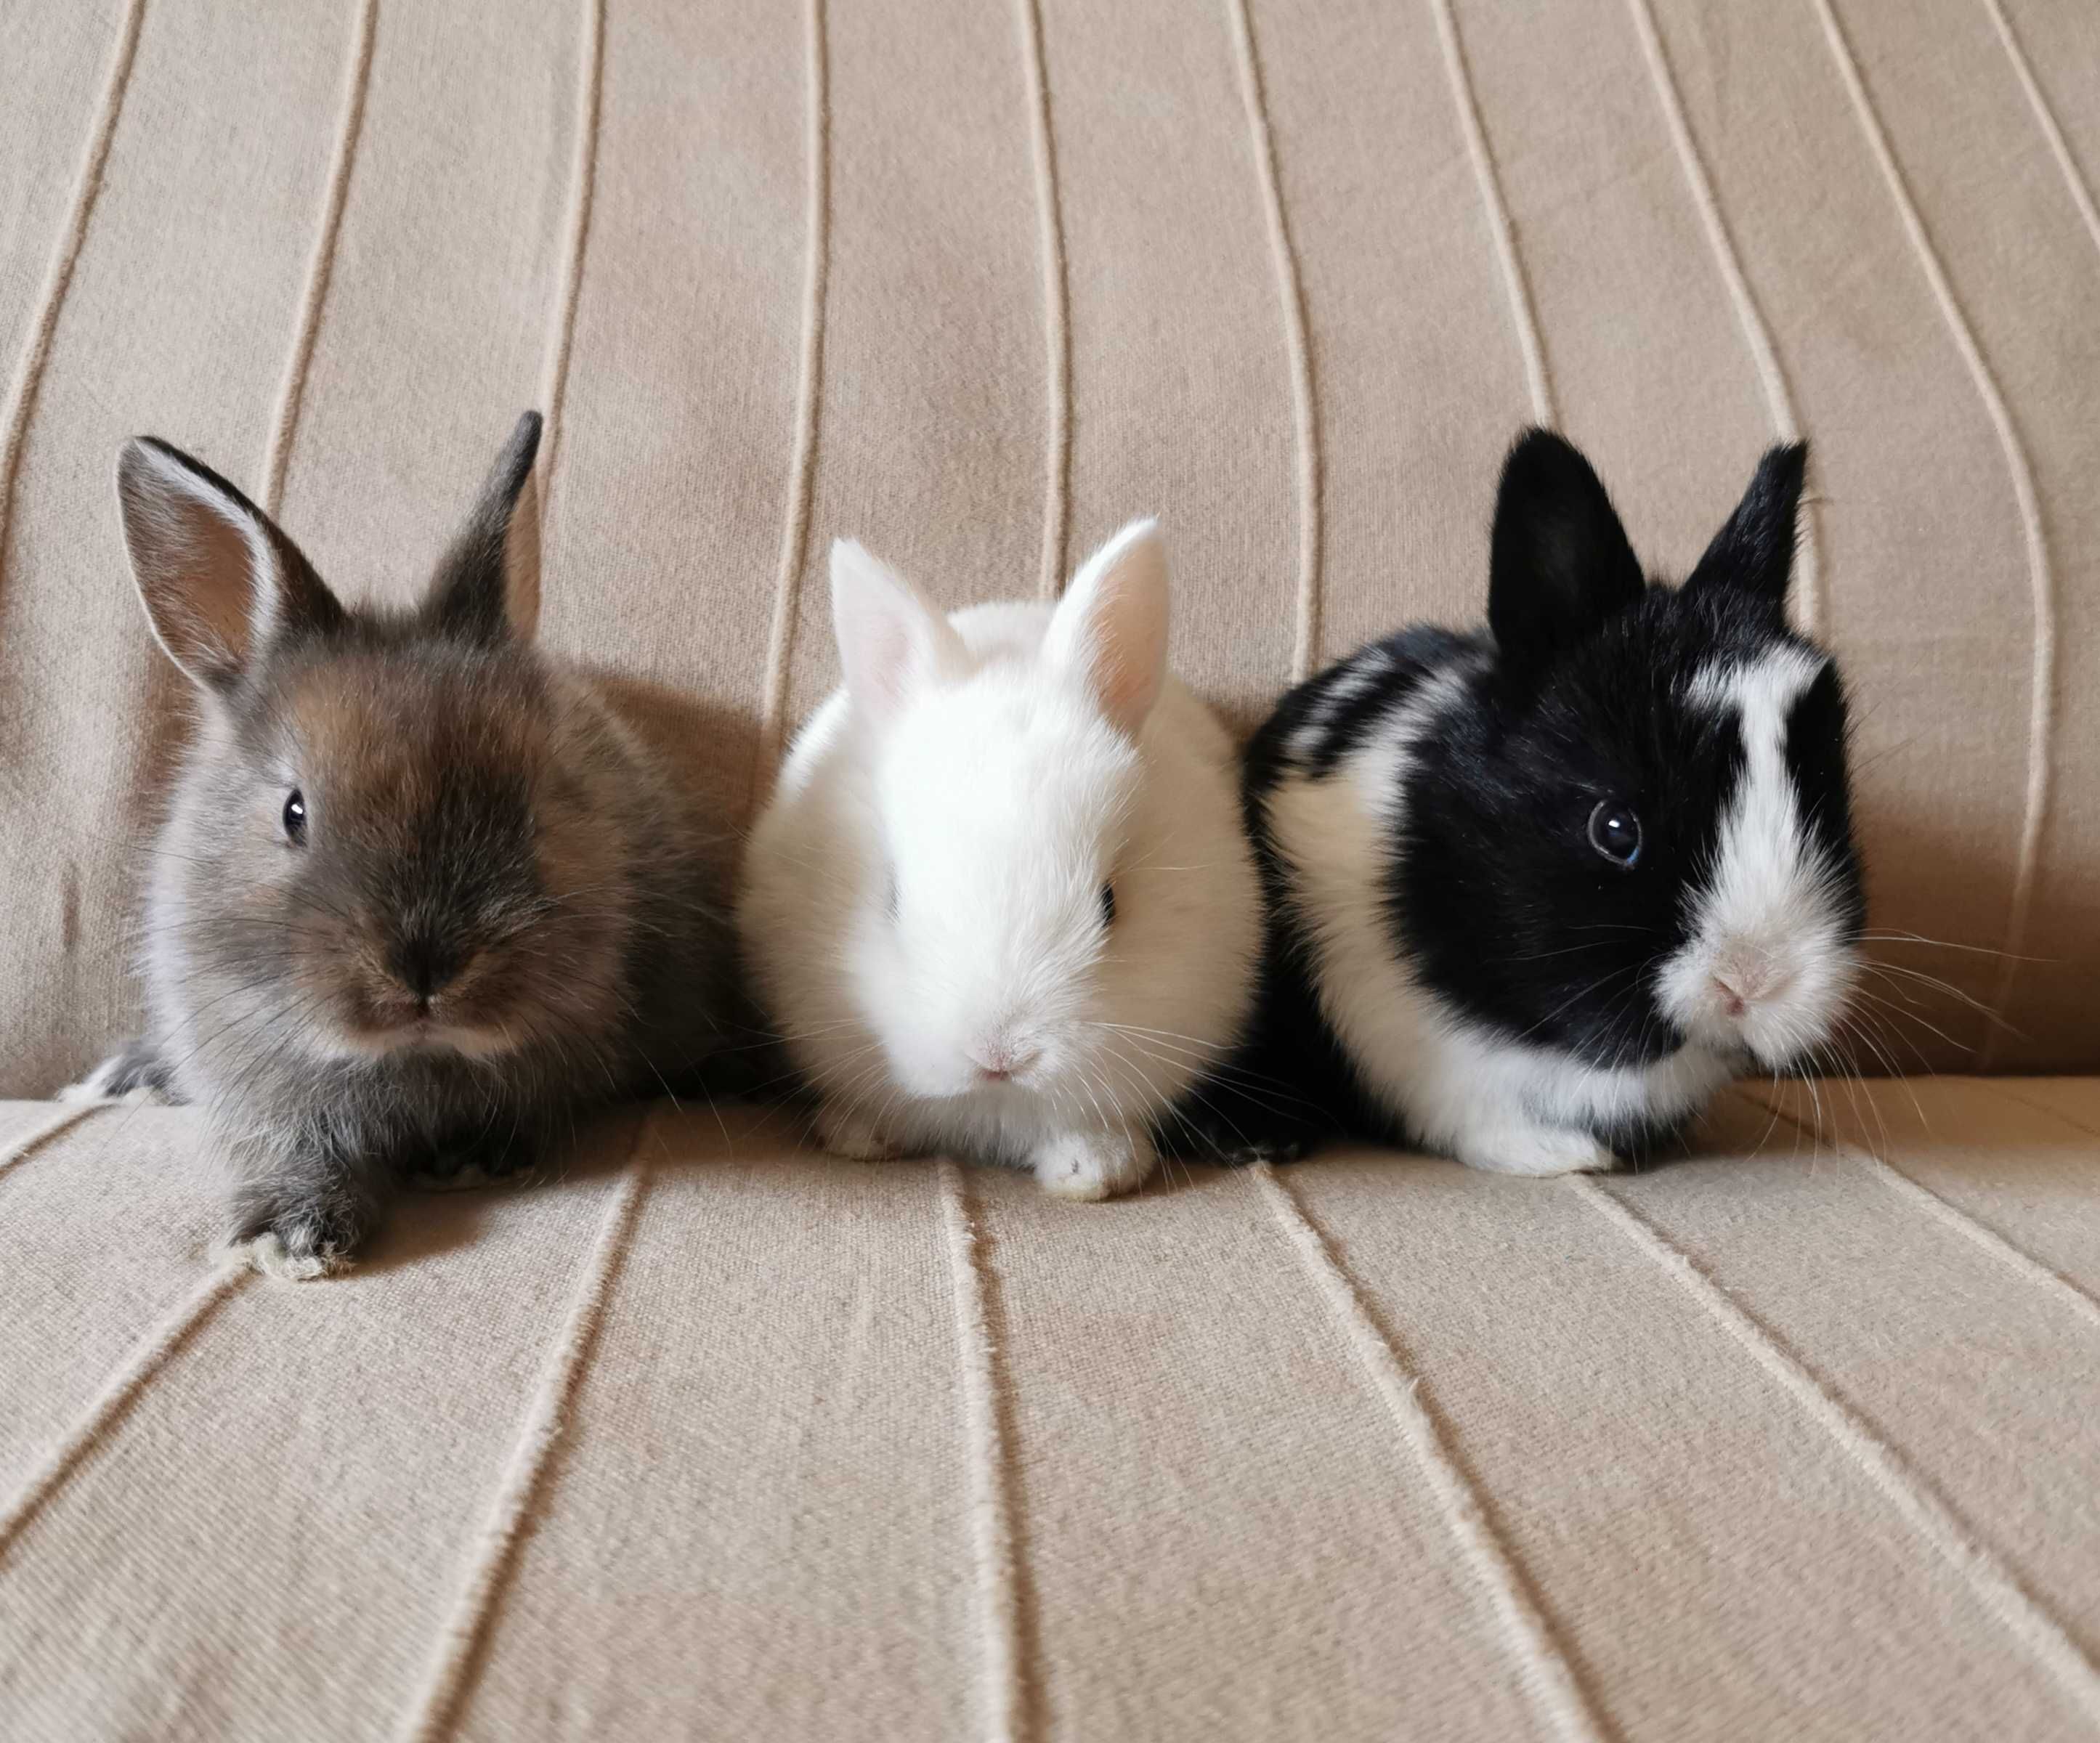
(423, 964)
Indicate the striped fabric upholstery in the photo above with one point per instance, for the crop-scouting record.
(710, 1436)
(977, 283)
(713, 1437)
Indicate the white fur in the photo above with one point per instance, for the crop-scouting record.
(891, 642)
(267, 1254)
(1764, 923)
(1505, 1106)
(992, 791)
(1364, 673)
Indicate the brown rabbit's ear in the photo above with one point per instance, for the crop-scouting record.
(218, 578)
(488, 584)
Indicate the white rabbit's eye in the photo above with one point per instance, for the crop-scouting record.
(1616, 832)
(295, 817)
(1108, 904)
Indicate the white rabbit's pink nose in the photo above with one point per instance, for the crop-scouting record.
(1000, 1059)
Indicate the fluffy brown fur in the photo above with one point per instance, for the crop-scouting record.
(420, 896)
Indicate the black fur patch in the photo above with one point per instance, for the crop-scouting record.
(1495, 892)
(1817, 733)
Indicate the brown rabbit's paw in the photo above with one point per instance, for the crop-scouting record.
(298, 1260)
(297, 1242)
(135, 1072)
(483, 1159)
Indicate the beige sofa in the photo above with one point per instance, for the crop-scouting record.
(711, 1435)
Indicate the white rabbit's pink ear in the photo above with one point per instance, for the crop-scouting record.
(1111, 624)
(892, 643)
(218, 579)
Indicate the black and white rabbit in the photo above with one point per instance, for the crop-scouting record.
(420, 894)
(1534, 894)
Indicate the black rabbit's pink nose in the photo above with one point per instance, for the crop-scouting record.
(425, 965)
(1743, 982)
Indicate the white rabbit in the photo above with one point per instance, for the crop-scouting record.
(1002, 902)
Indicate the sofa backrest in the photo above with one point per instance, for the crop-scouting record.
(976, 285)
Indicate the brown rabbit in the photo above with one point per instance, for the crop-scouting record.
(419, 895)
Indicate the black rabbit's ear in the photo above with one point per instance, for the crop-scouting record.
(1753, 555)
(487, 585)
(1560, 566)
(219, 580)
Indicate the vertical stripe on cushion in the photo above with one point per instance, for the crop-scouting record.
(1524, 312)
(2031, 1627)
(182, 294)
(492, 1554)
(1420, 352)
(1057, 312)
(765, 1482)
(1003, 1682)
(285, 426)
(583, 174)
(795, 552)
(1291, 296)
(1807, 597)
(2041, 682)
(933, 382)
(2022, 1263)
(2009, 227)
(117, 1393)
(1543, 1668)
(26, 374)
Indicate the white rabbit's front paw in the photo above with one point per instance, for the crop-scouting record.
(845, 1133)
(1536, 1151)
(1092, 1164)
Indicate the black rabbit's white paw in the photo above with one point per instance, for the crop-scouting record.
(1536, 1151)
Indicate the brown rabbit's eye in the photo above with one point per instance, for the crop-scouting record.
(1108, 904)
(1616, 832)
(295, 817)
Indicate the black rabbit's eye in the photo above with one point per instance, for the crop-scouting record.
(1616, 832)
(295, 817)
(1108, 904)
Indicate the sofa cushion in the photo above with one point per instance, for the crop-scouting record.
(978, 284)
(706, 1434)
